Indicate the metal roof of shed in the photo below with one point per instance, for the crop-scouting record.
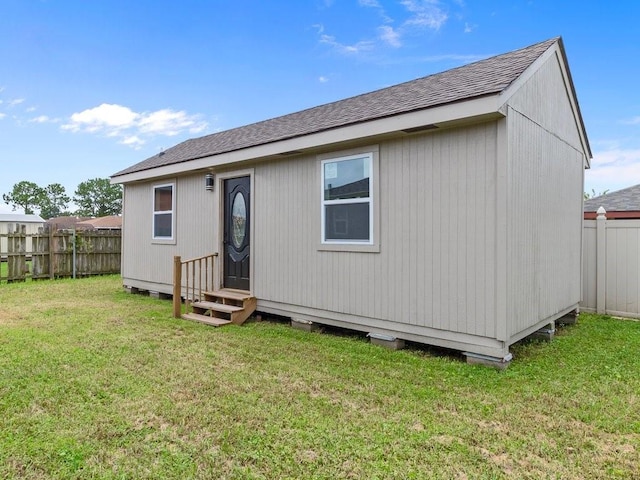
(20, 218)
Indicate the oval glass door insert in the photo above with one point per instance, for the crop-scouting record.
(238, 220)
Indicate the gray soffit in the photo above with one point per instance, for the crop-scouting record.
(478, 79)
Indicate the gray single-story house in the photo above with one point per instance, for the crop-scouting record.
(446, 210)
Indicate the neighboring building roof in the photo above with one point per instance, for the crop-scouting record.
(103, 223)
(20, 218)
(348, 190)
(623, 203)
(479, 79)
(65, 221)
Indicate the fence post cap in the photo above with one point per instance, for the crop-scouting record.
(601, 212)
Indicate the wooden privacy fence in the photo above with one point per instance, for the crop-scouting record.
(611, 266)
(52, 253)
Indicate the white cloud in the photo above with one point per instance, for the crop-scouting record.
(2, 115)
(15, 101)
(390, 36)
(323, 79)
(105, 116)
(31, 109)
(170, 123)
(133, 141)
(613, 169)
(632, 121)
(419, 15)
(131, 127)
(40, 119)
(346, 49)
(468, 28)
(376, 5)
(425, 14)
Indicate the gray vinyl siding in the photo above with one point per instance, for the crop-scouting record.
(544, 205)
(436, 265)
(150, 262)
(545, 101)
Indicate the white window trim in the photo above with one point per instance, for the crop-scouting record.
(373, 244)
(172, 238)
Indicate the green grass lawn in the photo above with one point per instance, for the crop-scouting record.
(97, 383)
(4, 271)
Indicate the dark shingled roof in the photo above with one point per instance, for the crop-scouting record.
(486, 77)
(625, 200)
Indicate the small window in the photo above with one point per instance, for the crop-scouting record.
(163, 207)
(347, 204)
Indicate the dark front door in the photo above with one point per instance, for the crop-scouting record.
(236, 232)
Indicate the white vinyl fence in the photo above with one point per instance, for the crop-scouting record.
(611, 266)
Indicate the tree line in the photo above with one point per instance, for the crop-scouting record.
(96, 197)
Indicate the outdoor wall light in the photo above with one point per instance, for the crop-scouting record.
(208, 181)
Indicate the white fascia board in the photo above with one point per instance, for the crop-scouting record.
(481, 107)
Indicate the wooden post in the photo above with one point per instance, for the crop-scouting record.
(177, 286)
(601, 260)
(16, 256)
(51, 229)
(23, 252)
(10, 253)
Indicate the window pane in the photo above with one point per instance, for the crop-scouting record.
(238, 220)
(347, 179)
(162, 225)
(162, 201)
(347, 221)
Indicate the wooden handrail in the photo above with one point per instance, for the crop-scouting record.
(199, 275)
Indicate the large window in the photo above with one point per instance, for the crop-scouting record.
(163, 207)
(347, 200)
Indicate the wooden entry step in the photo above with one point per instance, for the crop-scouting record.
(221, 307)
(213, 321)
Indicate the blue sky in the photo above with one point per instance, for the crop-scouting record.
(88, 88)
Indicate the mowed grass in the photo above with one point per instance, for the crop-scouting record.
(4, 271)
(98, 383)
